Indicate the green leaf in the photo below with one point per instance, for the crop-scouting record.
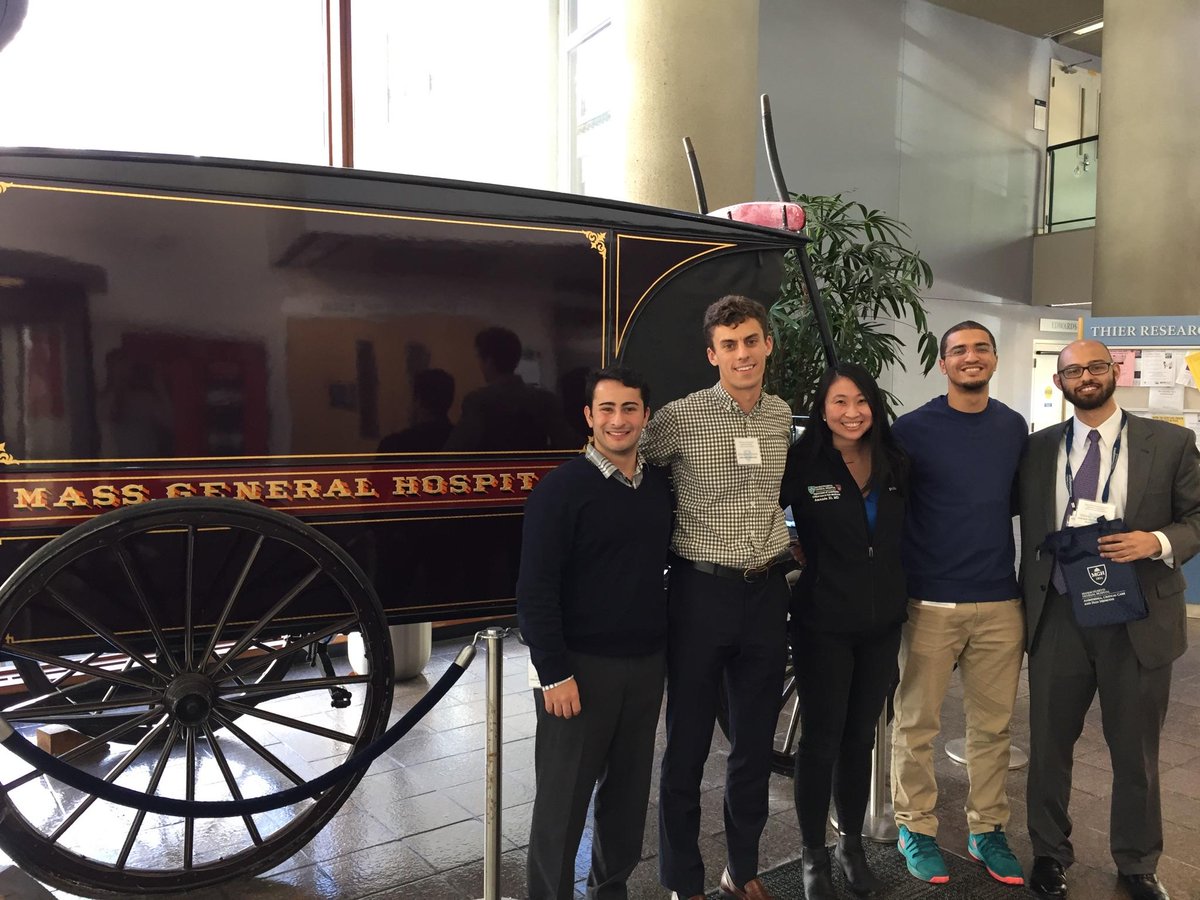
(866, 272)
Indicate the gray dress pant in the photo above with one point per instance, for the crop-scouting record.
(608, 747)
(1067, 667)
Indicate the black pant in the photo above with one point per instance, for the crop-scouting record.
(842, 680)
(609, 746)
(720, 628)
(1066, 668)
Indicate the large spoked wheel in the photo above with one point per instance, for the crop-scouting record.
(787, 727)
(175, 637)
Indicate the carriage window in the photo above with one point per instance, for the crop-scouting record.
(318, 333)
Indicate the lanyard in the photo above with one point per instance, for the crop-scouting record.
(1112, 465)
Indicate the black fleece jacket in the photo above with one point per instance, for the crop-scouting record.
(852, 580)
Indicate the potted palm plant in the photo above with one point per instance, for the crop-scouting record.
(868, 278)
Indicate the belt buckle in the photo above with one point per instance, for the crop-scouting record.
(751, 575)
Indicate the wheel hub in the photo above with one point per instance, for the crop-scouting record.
(190, 698)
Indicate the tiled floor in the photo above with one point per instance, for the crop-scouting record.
(414, 826)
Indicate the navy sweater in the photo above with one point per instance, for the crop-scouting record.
(958, 538)
(593, 552)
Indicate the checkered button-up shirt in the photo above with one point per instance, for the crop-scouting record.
(726, 513)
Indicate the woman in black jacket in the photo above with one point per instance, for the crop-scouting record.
(845, 481)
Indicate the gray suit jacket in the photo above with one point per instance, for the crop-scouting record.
(1164, 495)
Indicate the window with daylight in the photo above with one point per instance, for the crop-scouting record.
(204, 77)
(590, 162)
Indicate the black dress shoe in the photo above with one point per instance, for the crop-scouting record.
(1048, 878)
(1144, 887)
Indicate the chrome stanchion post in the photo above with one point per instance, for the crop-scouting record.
(956, 749)
(879, 824)
(494, 638)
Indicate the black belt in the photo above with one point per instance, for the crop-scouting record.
(750, 575)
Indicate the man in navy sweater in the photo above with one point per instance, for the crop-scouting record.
(964, 605)
(592, 606)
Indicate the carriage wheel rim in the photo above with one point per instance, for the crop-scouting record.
(193, 694)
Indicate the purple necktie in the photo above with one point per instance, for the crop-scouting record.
(1086, 483)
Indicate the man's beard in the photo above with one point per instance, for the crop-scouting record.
(1096, 400)
(973, 387)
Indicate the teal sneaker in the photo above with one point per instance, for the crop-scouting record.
(922, 856)
(991, 849)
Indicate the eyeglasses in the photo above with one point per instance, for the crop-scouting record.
(961, 350)
(1098, 367)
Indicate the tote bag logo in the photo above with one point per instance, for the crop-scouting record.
(1098, 574)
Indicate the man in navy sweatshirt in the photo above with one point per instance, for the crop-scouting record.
(592, 606)
(964, 605)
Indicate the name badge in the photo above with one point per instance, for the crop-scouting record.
(1088, 512)
(747, 451)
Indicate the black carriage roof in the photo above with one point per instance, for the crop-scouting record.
(375, 190)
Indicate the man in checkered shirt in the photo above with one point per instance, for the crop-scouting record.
(728, 599)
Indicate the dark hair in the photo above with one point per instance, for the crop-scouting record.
(501, 346)
(968, 325)
(888, 462)
(731, 310)
(433, 390)
(627, 377)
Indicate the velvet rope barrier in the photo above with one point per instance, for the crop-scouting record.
(51, 765)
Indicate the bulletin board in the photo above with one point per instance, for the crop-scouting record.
(1160, 370)
(1160, 365)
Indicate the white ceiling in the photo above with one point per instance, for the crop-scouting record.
(1040, 18)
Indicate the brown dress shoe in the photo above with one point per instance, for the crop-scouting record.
(751, 890)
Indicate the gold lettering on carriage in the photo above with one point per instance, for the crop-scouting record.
(321, 490)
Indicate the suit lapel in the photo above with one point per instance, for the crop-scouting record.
(1047, 462)
(1141, 463)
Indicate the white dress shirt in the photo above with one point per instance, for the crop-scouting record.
(1118, 489)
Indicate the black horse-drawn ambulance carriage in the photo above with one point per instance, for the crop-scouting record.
(245, 409)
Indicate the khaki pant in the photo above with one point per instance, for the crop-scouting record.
(987, 641)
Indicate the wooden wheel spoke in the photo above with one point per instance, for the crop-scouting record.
(188, 599)
(291, 647)
(189, 824)
(35, 711)
(108, 695)
(86, 747)
(49, 659)
(135, 585)
(117, 643)
(235, 792)
(260, 692)
(215, 638)
(125, 762)
(287, 721)
(241, 734)
(91, 657)
(155, 777)
(264, 620)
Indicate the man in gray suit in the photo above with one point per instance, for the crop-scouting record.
(1148, 472)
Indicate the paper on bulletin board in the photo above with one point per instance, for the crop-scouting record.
(1167, 397)
(1174, 420)
(1128, 361)
(1158, 369)
(1193, 364)
(1183, 376)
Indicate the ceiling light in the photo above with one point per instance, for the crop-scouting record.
(1088, 29)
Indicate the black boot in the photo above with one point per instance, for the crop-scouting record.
(818, 880)
(850, 856)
